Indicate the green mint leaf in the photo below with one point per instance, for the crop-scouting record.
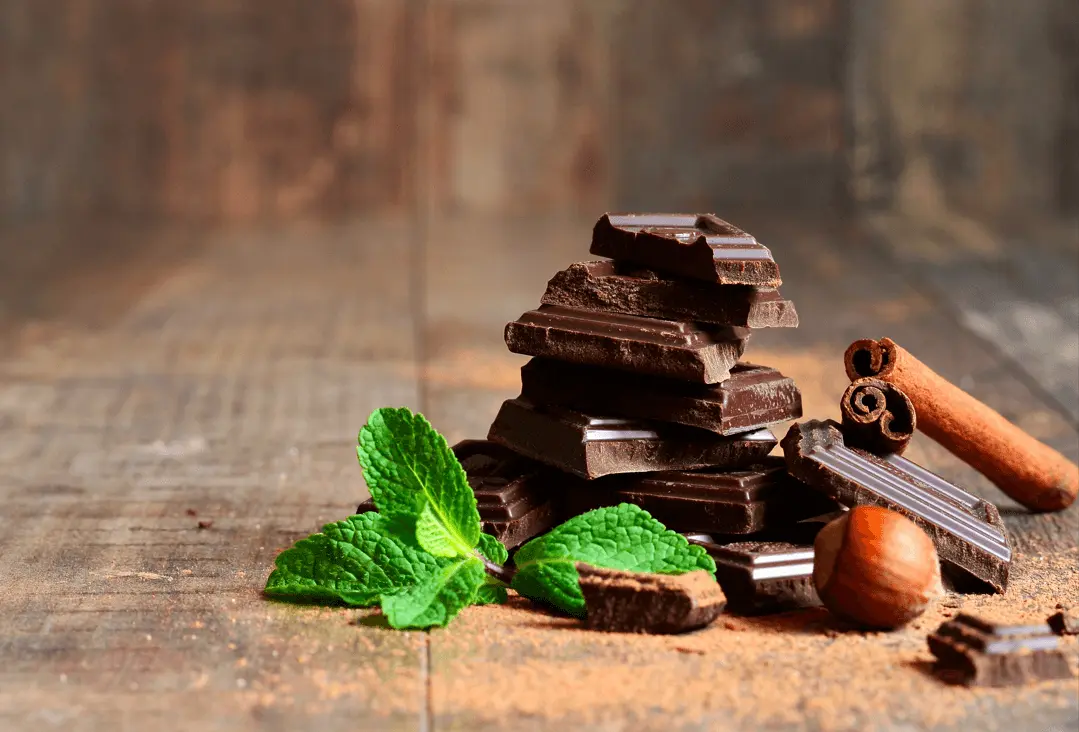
(620, 537)
(493, 549)
(491, 592)
(352, 561)
(411, 471)
(438, 598)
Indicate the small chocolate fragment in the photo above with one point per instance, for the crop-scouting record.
(753, 396)
(731, 502)
(518, 499)
(699, 246)
(877, 417)
(1064, 624)
(973, 652)
(622, 287)
(969, 536)
(761, 577)
(593, 446)
(638, 602)
(675, 349)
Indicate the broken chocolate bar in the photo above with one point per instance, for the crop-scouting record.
(592, 446)
(623, 287)
(761, 577)
(753, 396)
(732, 502)
(967, 531)
(679, 350)
(699, 246)
(973, 652)
(517, 498)
(636, 602)
(1064, 624)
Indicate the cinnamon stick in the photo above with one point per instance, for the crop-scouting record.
(1031, 472)
(877, 417)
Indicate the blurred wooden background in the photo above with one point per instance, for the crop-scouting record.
(244, 110)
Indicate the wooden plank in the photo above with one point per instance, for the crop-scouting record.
(496, 668)
(976, 119)
(230, 392)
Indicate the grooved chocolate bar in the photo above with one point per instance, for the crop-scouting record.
(592, 446)
(698, 246)
(517, 498)
(679, 350)
(623, 287)
(764, 576)
(967, 531)
(751, 398)
(637, 602)
(732, 502)
(974, 652)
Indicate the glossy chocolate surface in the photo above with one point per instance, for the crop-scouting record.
(623, 287)
(976, 652)
(751, 398)
(674, 349)
(698, 246)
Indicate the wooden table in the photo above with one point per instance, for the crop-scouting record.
(159, 378)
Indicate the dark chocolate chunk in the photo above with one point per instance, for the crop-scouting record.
(592, 446)
(679, 350)
(761, 577)
(622, 287)
(730, 502)
(969, 536)
(753, 396)
(637, 602)
(699, 246)
(517, 498)
(1064, 624)
(973, 652)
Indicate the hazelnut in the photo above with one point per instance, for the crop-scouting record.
(875, 568)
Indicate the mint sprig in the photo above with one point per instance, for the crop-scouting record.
(620, 537)
(423, 557)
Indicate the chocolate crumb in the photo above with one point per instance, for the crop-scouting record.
(191, 512)
(1064, 624)
(206, 524)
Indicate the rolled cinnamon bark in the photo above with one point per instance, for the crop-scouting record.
(1029, 471)
(877, 417)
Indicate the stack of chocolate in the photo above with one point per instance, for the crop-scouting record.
(635, 393)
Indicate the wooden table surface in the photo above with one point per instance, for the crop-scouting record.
(223, 376)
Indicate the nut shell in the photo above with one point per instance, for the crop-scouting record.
(875, 568)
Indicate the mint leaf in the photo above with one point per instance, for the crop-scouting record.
(493, 549)
(352, 561)
(411, 471)
(438, 598)
(491, 592)
(620, 537)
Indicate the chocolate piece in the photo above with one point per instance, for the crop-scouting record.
(699, 246)
(731, 502)
(877, 417)
(637, 602)
(1064, 624)
(763, 576)
(517, 498)
(973, 652)
(623, 287)
(967, 531)
(591, 446)
(679, 350)
(753, 396)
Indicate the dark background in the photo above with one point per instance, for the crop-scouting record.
(239, 110)
(130, 127)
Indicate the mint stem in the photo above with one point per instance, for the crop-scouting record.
(497, 571)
